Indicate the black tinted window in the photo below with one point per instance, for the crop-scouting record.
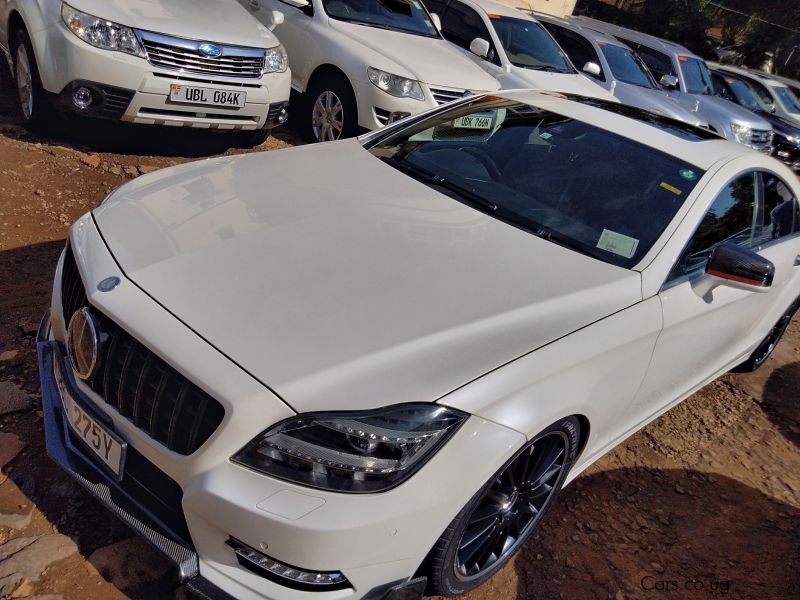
(658, 62)
(780, 216)
(435, 6)
(577, 48)
(529, 46)
(461, 25)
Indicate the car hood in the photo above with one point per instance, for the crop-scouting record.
(430, 60)
(656, 101)
(566, 83)
(341, 283)
(780, 125)
(725, 109)
(221, 21)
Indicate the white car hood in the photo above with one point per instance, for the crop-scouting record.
(220, 21)
(566, 83)
(431, 60)
(341, 283)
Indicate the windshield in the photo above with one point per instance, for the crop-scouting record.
(788, 99)
(529, 46)
(696, 76)
(573, 184)
(744, 94)
(626, 66)
(408, 16)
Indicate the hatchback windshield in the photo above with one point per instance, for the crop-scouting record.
(558, 178)
(788, 99)
(696, 75)
(407, 16)
(529, 46)
(626, 66)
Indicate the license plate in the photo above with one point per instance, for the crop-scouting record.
(187, 94)
(105, 445)
(474, 122)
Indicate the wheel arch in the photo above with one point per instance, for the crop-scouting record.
(331, 70)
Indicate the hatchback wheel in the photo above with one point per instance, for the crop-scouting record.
(332, 112)
(32, 98)
(504, 514)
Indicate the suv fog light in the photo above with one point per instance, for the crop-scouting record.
(82, 97)
(293, 577)
(283, 116)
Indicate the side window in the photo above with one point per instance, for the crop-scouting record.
(435, 6)
(659, 63)
(576, 47)
(732, 217)
(461, 25)
(721, 88)
(781, 215)
(762, 91)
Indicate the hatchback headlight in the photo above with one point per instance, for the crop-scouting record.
(742, 133)
(101, 33)
(352, 452)
(395, 85)
(275, 60)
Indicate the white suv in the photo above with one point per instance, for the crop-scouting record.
(168, 62)
(365, 63)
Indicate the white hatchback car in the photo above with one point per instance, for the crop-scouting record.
(167, 62)
(376, 380)
(367, 63)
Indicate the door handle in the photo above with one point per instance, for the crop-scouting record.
(254, 5)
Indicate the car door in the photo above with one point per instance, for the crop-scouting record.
(704, 335)
(295, 34)
(461, 24)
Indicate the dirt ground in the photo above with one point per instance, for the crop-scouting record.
(703, 502)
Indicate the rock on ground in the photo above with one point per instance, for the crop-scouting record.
(26, 558)
(13, 399)
(129, 563)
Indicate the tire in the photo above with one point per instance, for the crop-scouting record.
(328, 101)
(34, 105)
(495, 518)
(769, 343)
(255, 137)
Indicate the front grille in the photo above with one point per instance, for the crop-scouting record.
(760, 136)
(443, 96)
(116, 100)
(178, 54)
(138, 384)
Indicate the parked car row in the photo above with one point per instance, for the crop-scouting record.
(346, 65)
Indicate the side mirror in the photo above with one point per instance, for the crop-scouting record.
(277, 19)
(770, 108)
(479, 47)
(297, 3)
(669, 81)
(437, 22)
(592, 68)
(736, 267)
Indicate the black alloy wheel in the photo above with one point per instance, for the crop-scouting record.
(768, 345)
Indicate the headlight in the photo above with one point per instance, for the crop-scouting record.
(395, 85)
(101, 33)
(742, 133)
(794, 139)
(275, 60)
(352, 452)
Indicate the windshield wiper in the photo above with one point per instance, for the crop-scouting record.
(549, 68)
(431, 178)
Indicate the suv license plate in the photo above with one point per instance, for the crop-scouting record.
(204, 96)
(105, 445)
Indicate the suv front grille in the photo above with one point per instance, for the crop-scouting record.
(178, 54)
(138, 384)
(760, 136)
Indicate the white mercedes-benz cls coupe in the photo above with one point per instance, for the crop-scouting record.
(365, 369)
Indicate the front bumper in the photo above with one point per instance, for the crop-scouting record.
(140, 91)
(788, 154)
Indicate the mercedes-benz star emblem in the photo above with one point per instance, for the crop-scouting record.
(83, 343)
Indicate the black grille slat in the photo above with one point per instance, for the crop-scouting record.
(140, 385)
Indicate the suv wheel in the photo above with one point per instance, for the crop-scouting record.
(30, 93)
(331, 109)
(504, 513)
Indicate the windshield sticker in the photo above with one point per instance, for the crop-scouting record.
(545, 136)
(688, 174)
(617, 243)
(670, 188)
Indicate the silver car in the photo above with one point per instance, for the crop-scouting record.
(686, 76)
(616, 68)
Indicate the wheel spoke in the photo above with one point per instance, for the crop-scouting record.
(476, 534)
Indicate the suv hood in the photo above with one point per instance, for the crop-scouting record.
(718, 110)
(433, 61)
(656, 101)
(341, 283)
(220, 21)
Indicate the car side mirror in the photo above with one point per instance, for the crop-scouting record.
(437, 22)
(297, 3)
(479, 47)
(592, 68)
(771, 108)
(669, 81)
(737, 267)
(277, 19)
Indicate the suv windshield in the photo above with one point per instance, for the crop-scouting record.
(408, 16)
(744, 95)
(529, 46)
(696, 76)
(558, 178)
(787, 99)
(626, 66)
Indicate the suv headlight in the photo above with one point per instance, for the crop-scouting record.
(275, 60)
(352, 452)
(395, 85)
(101, 33)
(742, 133)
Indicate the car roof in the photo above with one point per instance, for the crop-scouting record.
(594, 35)
(734, 70)
(690, 144)
(636, 36)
